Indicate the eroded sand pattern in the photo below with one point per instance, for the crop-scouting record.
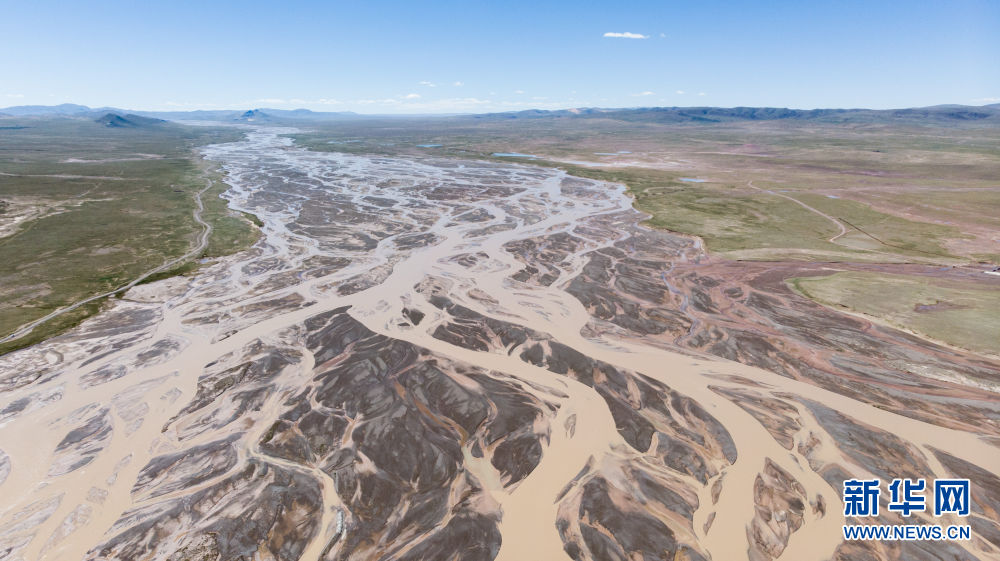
(431, 359)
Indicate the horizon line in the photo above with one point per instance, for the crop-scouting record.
(989, 103)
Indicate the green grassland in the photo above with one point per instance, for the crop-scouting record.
(101, 206)
(772, 190)
(962, 315)
(904, 192)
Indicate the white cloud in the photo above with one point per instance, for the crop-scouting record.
(533, 104)
(626, 35)
(663, 35)
(428, 84)
(701, 93)
(455, 105)
(298, 102)
(400, 104)
(519, 91)
(987, 100)
(640, 94)
(16, 96)
(458, 84)
(193, 105)
(452, 105)
(680, 92)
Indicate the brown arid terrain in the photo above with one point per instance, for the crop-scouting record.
(430, 357)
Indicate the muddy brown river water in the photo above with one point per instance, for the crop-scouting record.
(438, 359)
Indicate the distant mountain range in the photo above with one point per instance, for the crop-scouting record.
(64, 109)
(253, 115)
(129, 120)
(939, 114)
(987, 114)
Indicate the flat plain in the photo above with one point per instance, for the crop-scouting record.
(913, 192)
(647, 340)
(85, 208)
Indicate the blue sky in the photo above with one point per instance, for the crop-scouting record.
(472, 56)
